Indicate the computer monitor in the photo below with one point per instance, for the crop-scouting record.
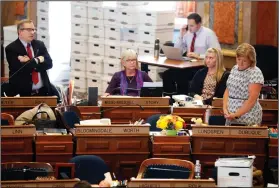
(152, 89)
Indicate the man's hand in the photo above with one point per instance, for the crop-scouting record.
(23, 59)
(41, 58)
(193, 55)
(104, 183)
(183, 31)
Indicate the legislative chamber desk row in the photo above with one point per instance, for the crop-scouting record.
(125, 147)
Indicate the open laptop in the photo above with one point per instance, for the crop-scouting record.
(174, 53)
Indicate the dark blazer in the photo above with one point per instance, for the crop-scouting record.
(196, 85)
(21, 81)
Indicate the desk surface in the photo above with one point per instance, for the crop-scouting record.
(169, 63)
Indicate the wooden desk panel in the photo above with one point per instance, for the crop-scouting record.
(40, 183)
(90, 112)
(188, 113)
(126, 114)
(123, 154)
(17, 148)
(54, 149)
(273, 148)
(175, 147)
(169, 63)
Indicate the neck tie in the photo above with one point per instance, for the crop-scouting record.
(35, 75)
(192, 49)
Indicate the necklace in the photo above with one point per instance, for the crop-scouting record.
(131, 79)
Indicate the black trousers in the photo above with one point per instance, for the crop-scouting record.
(178, 80)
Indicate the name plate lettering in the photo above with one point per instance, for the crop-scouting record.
(249, 132)
(171, 183)
(114, 129)
(18, 130)
(40, 183)
(230, 131)
(210, 131)
(135, 101)
(28, 101)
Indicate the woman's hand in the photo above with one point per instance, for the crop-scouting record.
(106, 94)
(104, 183)
(231, 116)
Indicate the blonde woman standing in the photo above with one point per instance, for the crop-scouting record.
(210, 81)
(130, 80)
(240, 102)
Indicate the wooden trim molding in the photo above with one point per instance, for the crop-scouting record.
(240, 23)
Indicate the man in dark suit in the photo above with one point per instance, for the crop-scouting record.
(28, 61)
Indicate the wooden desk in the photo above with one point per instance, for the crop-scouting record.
(123, 147)
(188, 113)
(174, 147)
(122, 110)
(90, 112)
(54, 148)
(270, 110)
(17, 143)
(168, 63)
(171, 183)
(40, 183)
(273, 148)
(17, 105)
(211, 142)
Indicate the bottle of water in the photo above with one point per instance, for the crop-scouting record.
(198, 170)
(156, 48)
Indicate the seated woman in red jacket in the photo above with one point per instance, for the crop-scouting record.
(210, 81)
(130, 80)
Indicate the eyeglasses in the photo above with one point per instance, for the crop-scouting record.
(29, 29)
(131, 60)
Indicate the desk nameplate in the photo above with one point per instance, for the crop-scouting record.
(171, 183)
(27, 101)
(230, 131)
(112, 130)
(18, 130)
(40, 183)
(135, 101)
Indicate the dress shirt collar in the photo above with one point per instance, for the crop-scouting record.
(24, 43)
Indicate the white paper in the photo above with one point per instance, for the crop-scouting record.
(152, 84)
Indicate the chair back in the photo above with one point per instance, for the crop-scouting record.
(25, 170)
(214, 117)
(152, 120)
(161, 168)
(7, 119)
(90, 168)
(67, 116)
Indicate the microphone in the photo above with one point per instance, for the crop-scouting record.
(109, 109)
(37, 52)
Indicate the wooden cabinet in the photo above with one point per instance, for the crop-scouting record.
(126, 114)
(174, 147)
(90, 112)
(54, 148)
(123, 154)
(188, 113)
(273, 148)
(17, 148)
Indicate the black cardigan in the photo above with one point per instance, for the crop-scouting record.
(196, 85)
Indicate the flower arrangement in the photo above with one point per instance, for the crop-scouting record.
(170, 122)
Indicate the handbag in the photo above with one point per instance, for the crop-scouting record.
(40, 123)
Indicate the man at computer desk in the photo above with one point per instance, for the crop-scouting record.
(130, 80)
(195, 41)
(28, 62)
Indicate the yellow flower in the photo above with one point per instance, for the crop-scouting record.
(178, 125)
(162, 124)
(180, 119)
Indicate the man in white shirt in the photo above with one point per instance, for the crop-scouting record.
(195, 41)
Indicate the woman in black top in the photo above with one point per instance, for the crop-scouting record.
(210, 81)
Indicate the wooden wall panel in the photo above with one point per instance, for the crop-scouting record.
(224, 21)
(267, 23)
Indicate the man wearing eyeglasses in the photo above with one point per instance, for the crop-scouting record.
(28, 61)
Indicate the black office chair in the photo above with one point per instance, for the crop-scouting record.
(90, 168)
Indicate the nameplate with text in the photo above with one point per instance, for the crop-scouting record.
(152, 183)
(249, 132)
(112, 130)
(135, 101)
(27, 101)
(18, 130)
(210, 131)
(40, 183)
